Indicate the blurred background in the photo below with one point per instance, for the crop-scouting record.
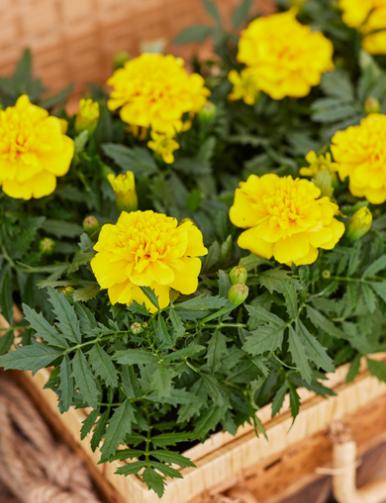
(75, 40)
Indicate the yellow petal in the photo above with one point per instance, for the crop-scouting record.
(187, 271)
(251, 240)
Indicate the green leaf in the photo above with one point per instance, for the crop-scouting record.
(61, 229)
(84, 379)
(6, 288)
(66, 316)
(298, 354)
(277, 402)
(43, 328)
(33, 357)
(59, 98)
(377, 369)
(119, 426)
(168, 439)
(194, 33)
(136, 159)
(201, 303)
(88, 423)
(376, 267)
(150, 294)
(369, 298)
(154, 481)
(85, 293)
(187, 352)
(178, 326)
(131, 468)
(172, 458)
(162, 380)
(338, 84)
(258, 315)
(380, 289)
(264, 339)
(162, 333)
(103, 366)
(241, 13)
(212, 9)
(217, 350)
(6, 341)
(166, 470)
(316, 352)
(291, 299)
(320, 321)
(294, 400)
(134, 356)
(99, 430)
(208, 421)
(354, 369)
(66, 386)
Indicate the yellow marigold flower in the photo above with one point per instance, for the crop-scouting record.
(123, 186)
(285, 218)
(155, 91)
(33, 150)
(286, 56)
(148, 249)
(88, 116)
(318, 163)
(244, 86)
(164, 145)
(360, 154)
(369, 17)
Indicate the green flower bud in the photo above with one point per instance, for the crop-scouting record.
(208, 113)
(238, 293)
(137, 328)
(238, 275)
(359, 224)
(372, 105)
(47, 246)
(120, 58)
(326, 274)
(91, 224)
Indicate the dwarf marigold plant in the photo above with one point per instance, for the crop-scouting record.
(202, 240)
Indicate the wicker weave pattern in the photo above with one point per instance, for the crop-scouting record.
(74, 40)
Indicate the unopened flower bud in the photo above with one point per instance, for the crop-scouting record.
(47, 246)
(87, 117)
(208, 113)
(136, 328)
(120, 58)
(91, 224)
(359, 224)
(326, 274)
(123, 186)
(238, 274)
(238, 293)
(372, 105)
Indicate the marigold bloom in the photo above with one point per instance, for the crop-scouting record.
(123, 186)
(360, 154)
(88, 116)
(33, 150)
(369, 17)
(148, 249)
(285, 218)
(287, 58)
(155, 91)
(163, 145)
(244, 86)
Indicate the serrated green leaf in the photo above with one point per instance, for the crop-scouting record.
(320, 321)
(33, 357)
(217, 349)
(85, 293)
(173, 458)
(169, 439)
(101, 362)
(85, 379)
(258, 316)
(66, 316)
(277, 402)
(208, 421)
(42, 328)
(99, 430)
(6, 341)
(134, 356)
(154, 481)
(298, 354)
(263, 339)
(166, 470)
(316, 352)
(66, 386)
(119, 426)
(212, 9)
(88, 423)
(376, 267)
(354, 369)
(294, 400)
(131, 468)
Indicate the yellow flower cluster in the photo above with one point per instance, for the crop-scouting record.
(33, 150)
(283, 58)
(148, 249)
(369, 17)
(88, 116)
(360, 154)
(317, 164)
(285, 218)
(123, 186)
(154, 91)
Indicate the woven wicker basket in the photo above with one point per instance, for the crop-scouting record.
(75, 40)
